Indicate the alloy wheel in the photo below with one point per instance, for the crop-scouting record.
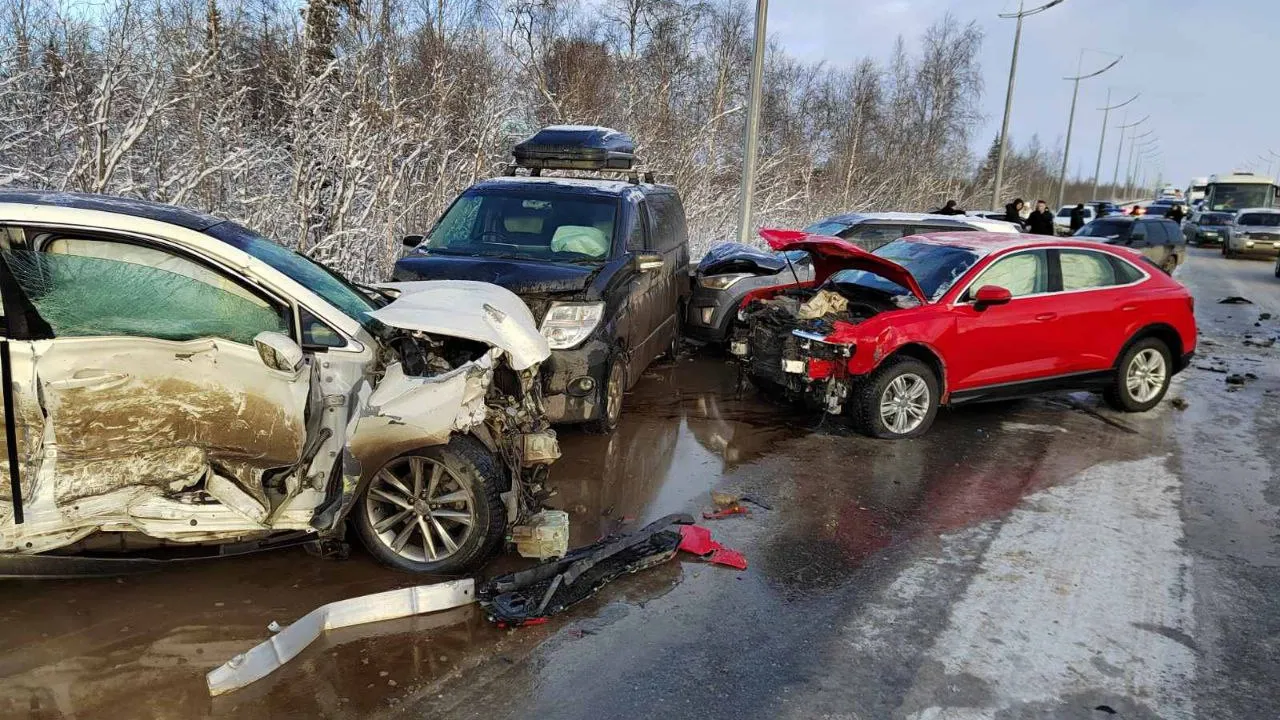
(613, 393)
(904, 403)
(420, 509)
(1146, 375)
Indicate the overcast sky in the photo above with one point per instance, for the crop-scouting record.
(1212, 112)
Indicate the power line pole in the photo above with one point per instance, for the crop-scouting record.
(1008, 97)
(1106, 112)
(1071, 118)
(1115, 176)
(751, 145)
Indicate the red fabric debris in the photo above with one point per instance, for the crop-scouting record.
(697, 540)
(727, 512)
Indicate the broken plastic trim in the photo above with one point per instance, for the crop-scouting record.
(543, 590)
(285, 645)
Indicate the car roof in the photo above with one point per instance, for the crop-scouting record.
(1256, 210)
(172, 214)
(908, 217)
(585, 185)
(987, 243)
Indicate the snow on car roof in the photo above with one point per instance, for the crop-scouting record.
(970, 220)
(172, 214)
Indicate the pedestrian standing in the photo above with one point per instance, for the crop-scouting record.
(1013, 213)
(1077, 217)
(949, 209)
(1176, 213)
(1040, 222)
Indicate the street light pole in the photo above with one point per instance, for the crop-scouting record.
(1128, 167)
(1115, 176)
(1106, 113)
(751, 145)
(1071, 118)
(1132, 175)
(1008, 97)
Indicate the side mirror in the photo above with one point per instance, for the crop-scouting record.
(989, 295)
(648, 262)
(412, 241)
(278, 352)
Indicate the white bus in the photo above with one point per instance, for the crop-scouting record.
(1229, 193)
(1196, 190)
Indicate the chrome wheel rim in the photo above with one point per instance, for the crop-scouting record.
(1146, 375)
(904, 403)
(613, 393)
(420, 509)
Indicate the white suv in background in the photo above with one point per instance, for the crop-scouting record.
(1062, 221)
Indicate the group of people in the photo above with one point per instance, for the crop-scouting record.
(1040, 221)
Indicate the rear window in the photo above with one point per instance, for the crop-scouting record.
(1266, 219)
(1215, 219)
(827, 227)
(1064, 212)
(1105, 228)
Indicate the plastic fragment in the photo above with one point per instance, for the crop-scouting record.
(697, 540)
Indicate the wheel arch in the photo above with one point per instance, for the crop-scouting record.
(1162, 332)
(925, 354)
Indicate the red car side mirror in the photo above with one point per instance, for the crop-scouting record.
(988, 295)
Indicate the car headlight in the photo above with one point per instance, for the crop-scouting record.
(722, 282)
(568, 324)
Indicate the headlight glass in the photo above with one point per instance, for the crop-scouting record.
(722, 282)
(568, 324)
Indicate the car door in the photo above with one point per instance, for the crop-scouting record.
(148, 376)
(671, 240)
(1096, 305)
(640, 308)
(1009, 343)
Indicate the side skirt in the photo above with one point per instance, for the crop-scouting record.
(1093, 380)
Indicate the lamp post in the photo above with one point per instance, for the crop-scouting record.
(751, 145)
(1115, 176)
(1071, 118)
(1008, 97)
(1133, 165)
(1106, 113)
(1128, 167)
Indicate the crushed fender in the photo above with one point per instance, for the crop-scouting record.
(530, 596)
(264, 658)
(697, 540)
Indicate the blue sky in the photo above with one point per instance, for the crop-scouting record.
(1207, 70)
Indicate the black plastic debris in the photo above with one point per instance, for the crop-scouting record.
(1235, 379)
(530, 596)
(1106, 709)
(1235, 300)
(1264, 316)
(1259, 342)
(1179, 403)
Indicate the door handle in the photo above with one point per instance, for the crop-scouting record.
(1046, 317)
(89, 378)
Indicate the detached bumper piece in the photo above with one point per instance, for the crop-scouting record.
(530, 596)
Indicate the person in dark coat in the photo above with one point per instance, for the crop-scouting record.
(949, 209)
(1013, 213)
(1040, 222)
(1077, 217)
(1176, 213)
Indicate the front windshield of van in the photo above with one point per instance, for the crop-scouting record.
(526, 224)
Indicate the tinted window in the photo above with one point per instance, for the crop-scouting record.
(827, 227)
(1082, 269)
(1157, 233)
(1269, 219)
(638, 236)
(1215, 219)
(935, 267)
(1024, 273)
(1105, 228)
(869, 236)
(666, 228)
(1125, 272)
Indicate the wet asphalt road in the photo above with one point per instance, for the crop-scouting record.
(1043, 558)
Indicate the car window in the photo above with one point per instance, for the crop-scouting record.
(638, 235)
(1024, 273)
(1269, 219)
(526, 223)
(828, 227)
(1082, 269)
(1105, 228)
(1125, 272)
(93, 287)
(872, 236)
(1158, 233)
(919, 229)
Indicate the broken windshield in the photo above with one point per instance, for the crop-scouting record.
(935, 267)
(526, 224)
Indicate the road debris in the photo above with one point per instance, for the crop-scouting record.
(285, 645)
(697, 540)
(1235, 300)
(735, 509)
(1264, 316)
(546, 535)
(1179, 403)
(530, 596)
(1256, 342)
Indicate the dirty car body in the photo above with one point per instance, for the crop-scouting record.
(179, 380)
(943, 319)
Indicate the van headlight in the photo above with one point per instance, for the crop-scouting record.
(722, 282)
(568, 324)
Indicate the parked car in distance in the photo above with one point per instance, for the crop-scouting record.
(1207, 228)
(1104, 208)
(1256, 231)
(1062, 221)
(180, 380)
(1158, 238)
(602, 263)
(730, 270)
(932, 320)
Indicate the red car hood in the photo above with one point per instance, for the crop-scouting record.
(831, 254)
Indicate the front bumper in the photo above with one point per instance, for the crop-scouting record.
(1203, 238)
(565, 379)
(799, 363)
(710, 313)
(1263, 247)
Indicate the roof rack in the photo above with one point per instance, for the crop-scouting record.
(633, 175)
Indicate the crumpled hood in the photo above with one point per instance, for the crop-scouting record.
(518, 276)
(477, 311)
(831, 254)
(732, 257)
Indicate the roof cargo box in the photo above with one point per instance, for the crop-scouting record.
(576, 147)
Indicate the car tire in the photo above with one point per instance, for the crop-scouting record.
(1278, 268)
(898, 380)
(463, 469)
(1132, 389)
(612, 391)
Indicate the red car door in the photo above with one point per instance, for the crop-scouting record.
(1020, 340)
(1099, 306)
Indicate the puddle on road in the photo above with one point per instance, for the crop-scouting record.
(139, 647)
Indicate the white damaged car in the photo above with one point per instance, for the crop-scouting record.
(172, 378)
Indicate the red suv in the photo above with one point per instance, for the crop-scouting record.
(949, 318)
